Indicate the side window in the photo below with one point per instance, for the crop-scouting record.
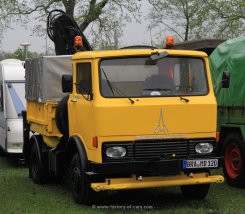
(84, 78)
(1, 97)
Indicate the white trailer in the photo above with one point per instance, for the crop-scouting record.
(12, 103)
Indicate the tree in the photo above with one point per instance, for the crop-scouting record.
(5, 18)
(228, 17)
(102, 16)
(191, 19)
(229, 9)
(181, 17)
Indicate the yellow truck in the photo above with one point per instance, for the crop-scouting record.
(122, 119)
(118, 129)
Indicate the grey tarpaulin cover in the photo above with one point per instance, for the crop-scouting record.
(43, 77)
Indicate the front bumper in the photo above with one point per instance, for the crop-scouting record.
(159, 167)
(156, 181)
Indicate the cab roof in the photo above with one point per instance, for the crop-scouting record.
(133, 52)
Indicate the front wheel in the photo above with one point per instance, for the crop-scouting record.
(80, 184)
(199, 191)
(234, 160)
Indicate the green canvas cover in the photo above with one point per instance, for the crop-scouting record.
(229, 56)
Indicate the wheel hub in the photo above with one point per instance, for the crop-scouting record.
(233, 160)
(76, 176)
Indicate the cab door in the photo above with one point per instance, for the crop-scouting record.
(80, 103)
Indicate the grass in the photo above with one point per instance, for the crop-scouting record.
(18, 194)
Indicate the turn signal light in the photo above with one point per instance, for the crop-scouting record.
(217, 137)
(95, 142)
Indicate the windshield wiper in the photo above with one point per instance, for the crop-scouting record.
(167, 91)
(107, 80)
(119, 91)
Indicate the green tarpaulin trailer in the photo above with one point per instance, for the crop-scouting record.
(229, 56)
(227, 64)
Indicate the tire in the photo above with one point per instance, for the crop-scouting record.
(61, 116)
(2, 152)
(233, 152)
(37, 170)
(80, 184)
(199, 191)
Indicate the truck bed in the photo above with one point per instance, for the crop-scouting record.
(41, 117)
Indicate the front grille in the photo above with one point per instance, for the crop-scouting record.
(147, 150)
(141, 150)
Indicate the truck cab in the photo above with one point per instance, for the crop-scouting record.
(113, 98)
(126, 119)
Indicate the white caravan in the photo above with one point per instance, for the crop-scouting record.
(12, 103)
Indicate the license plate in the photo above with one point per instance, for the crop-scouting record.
(197, 164)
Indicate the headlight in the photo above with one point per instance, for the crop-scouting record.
(204, 148)
(116, 152)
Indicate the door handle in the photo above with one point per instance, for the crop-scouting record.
(73, 101)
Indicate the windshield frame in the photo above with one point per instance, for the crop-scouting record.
(155, 96)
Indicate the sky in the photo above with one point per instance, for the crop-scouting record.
(134, 33)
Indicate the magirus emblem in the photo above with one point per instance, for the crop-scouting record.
(161, 126)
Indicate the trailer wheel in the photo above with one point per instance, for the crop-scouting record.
(234, 160)
(80, 184)
(61, 116)
(36, 167)
(199, 191)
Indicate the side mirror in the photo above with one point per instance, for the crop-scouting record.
(67, 83)
(225, 79)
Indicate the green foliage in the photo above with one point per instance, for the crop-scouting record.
(228, 18)
(100, 17)
(19, 54)
(4, 15)
(191, 19)
(9, 14)
(181, 17)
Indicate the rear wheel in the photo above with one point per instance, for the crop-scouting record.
(199, 191)
(37, 170)
(80, 184)
(234, 160)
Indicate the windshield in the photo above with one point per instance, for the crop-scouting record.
(143, 77)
